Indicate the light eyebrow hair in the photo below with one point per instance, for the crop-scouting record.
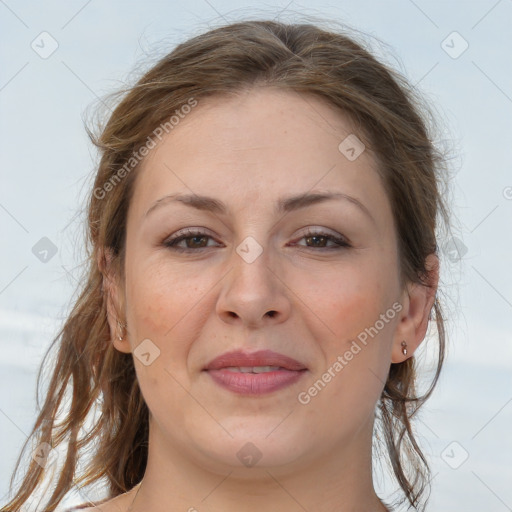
(283, 205)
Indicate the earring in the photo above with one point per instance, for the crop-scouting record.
(121, 327)
(404, 348)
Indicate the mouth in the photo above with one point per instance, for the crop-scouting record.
(254, 373)
(262, 359)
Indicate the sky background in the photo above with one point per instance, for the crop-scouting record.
(57, 58)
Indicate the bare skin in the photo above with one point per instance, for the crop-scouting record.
(249, 152)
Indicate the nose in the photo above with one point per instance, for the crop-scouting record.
(254, 293)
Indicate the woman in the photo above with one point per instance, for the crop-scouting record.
(263, 268)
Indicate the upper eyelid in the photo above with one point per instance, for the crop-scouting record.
(191, 232)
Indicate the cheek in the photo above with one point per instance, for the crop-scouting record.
(357, 306)
(157, 297)
(152, 306)
(167, 308)
(163, 308)
(347, 300)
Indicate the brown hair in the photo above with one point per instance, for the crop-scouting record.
(300, 57)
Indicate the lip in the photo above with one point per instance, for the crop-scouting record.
(259, 358)
(289, 372)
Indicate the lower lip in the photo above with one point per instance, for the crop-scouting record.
(255, 383)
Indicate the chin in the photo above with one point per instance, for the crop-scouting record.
(256, 443)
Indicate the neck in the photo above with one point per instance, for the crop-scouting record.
(339, 481)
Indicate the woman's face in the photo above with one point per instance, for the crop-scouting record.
(314, 280)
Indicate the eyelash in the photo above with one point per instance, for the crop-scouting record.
(191, 233)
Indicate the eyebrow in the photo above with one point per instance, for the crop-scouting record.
(284, 205)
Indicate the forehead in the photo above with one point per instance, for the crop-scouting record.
(249, 149)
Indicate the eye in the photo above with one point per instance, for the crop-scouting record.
(318, 239)
(195, 240)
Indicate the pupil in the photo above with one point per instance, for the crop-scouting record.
(195, 238)
(316, 238)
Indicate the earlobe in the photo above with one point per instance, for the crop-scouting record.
(417, 300)
(111, 288)
(120, 340)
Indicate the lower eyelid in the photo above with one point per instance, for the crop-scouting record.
(339, 242)
(172, 243)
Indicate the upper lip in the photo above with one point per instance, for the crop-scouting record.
(239, 358)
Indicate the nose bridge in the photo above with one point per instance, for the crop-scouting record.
(251, 261)
(252, 290)
(254, 232)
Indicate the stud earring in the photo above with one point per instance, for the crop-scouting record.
(404, 348)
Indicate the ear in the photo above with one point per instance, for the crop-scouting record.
(417, 301)
(112, 288)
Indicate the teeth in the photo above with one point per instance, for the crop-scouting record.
(263, 369)
(252, 369)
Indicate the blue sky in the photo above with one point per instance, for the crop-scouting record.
(57, 58)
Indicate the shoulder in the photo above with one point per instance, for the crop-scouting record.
(115, 504)
(86, 508)
(82, 508)
(120, 502)
(90, 507)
